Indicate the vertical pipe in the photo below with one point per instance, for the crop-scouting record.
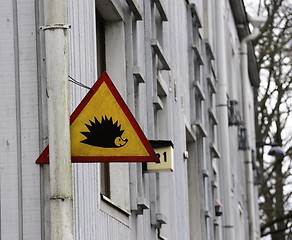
(246, 119)
(228, 216)
(18, 119)
(61, 200)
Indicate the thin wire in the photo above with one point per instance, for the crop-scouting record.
(72, 80)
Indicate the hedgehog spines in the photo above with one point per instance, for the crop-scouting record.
(104, 133)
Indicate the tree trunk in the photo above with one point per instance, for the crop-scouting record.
(279, 201)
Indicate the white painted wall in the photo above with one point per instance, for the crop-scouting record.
(23, 185)
(20, 183)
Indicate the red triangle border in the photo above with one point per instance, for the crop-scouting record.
(104, 78)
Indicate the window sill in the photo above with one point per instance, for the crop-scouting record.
(159, 52)
(114, 210)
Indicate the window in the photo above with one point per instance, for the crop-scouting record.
(100, 56)
(100, 43)
(114, 178)
(193, 188)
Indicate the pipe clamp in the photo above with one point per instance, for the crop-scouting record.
(55, 26)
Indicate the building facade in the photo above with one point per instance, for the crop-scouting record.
(180, 67)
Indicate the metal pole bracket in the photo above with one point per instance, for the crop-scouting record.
(55, 26)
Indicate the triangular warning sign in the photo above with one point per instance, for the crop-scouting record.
(104, 130)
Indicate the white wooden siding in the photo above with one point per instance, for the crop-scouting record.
(82, 67)
(20, 183)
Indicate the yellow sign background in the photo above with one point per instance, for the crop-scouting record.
(103, 103)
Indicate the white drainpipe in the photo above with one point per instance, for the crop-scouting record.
(247, 121)
(61, 200)
(223, 128)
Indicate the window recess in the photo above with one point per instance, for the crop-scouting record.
(190, 132)
(137, 73)
(160, 219)
(199, 91)
(195, 16)
(214, 151)
(161, 10)
(234, 117)
(207, 214)
(110, 10)
(242, 138)
(212, 116)
(201, 129)
(135, 9)
(209, 50)
(214, 184)
(213, 73)
(198, 55)
(205, 173)
(211, 84)
(160, 54)
(162, 88)
(142, 204)
(157, 102)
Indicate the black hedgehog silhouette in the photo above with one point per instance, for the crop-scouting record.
(104, 134)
